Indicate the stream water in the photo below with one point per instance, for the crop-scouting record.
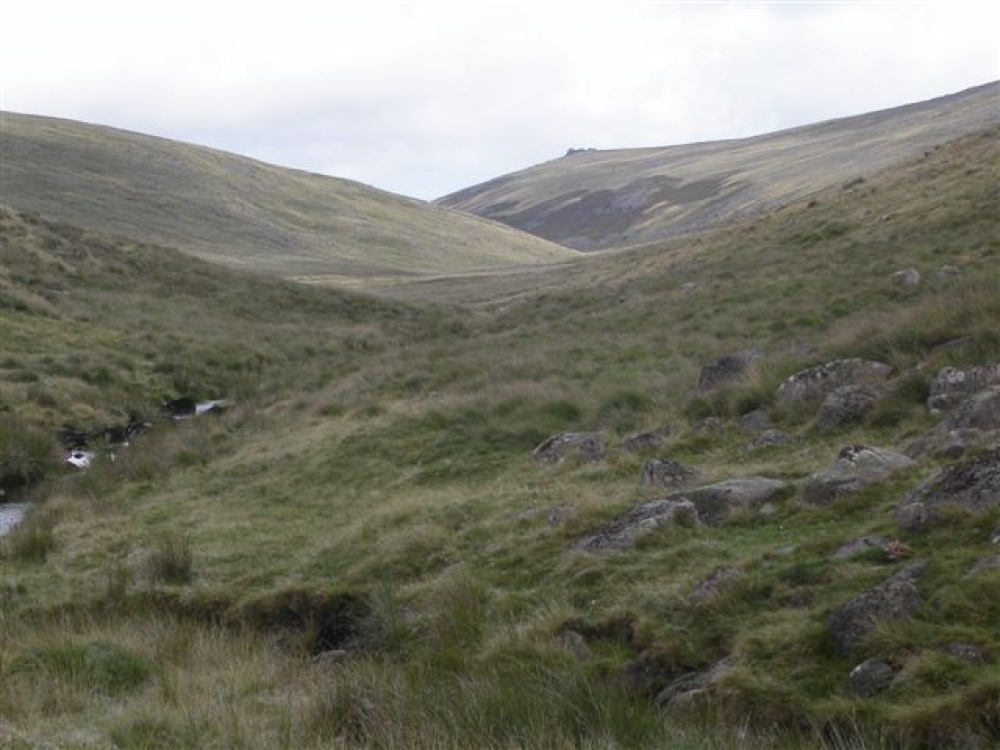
(13, 506)
(11, 514)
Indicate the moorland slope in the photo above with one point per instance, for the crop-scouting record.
(242, 212)
(364, 550)
(596, 199)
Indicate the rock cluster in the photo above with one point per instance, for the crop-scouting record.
(843, 393)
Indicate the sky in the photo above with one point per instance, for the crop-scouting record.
(425, 97)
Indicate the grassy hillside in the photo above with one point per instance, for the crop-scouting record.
(362, 552)
(241, 212)
(599, 199)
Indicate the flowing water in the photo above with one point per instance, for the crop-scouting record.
(11, 514)
(13, 506)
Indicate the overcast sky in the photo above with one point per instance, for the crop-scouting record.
(424, 97)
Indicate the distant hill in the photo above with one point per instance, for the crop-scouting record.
(592, 199)
(243, 212)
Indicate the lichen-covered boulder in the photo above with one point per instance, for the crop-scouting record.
(817, 382)
(856, 467)
(972, 484)
(980, 411)
(953, 385)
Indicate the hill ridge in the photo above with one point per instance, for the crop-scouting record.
(245, 212)
(596, 199)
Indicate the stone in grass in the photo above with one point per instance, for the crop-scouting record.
(871, 677)
(846, 406)
(817, 382)
(685, 691)
(856, 467)
(894, 599)
(710, 505)
(861, 545)
(952, 385)
(716, 501)
(643, 519)
(641, 441)
(769, 439)
(980, 411)
(728, 369)
(972, 484)
(583, 446)
(666, 472)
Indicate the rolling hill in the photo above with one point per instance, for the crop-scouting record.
(593, 199)
(239, 211)
(363, 549)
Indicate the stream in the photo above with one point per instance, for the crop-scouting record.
(13, 506)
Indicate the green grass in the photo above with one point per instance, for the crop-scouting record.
(373, 482)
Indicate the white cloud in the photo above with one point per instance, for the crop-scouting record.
(428, 96)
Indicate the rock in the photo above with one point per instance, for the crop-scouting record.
(908, 277)
(860, 546)
(995, 536)
(715, 501)
(641, 441)
(711, 586)
(950, 444)
(708, 426)
(915, 517)
(667, 473)
(856, 467)
(583, 446)
(896, 598)
(847, 405)
(728, 369)
(638, 522)
(769, 439)
(681, 691)
(972, 484)
(952, 385)
(991, 562)
(755, 421)
(817, 382)
(980, 411)
(870, 677)
(710, 504)
(967, 652)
